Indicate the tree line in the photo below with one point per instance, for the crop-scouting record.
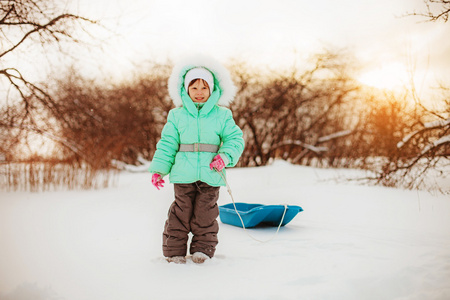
(315, 114)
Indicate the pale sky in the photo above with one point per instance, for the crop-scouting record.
(267, 33)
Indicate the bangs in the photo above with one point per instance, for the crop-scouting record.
(195, 80)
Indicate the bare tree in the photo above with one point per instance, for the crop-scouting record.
(293, 114)
(423, 150)
(436, 10)
(9, 136)
(40, 23)
(107, 122)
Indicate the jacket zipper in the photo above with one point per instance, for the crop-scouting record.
(198, 141)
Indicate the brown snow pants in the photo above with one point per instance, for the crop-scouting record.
(194, 210)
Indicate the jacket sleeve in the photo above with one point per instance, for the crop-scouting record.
(166, 148)
(232, 141)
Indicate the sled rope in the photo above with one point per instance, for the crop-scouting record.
(240, 218)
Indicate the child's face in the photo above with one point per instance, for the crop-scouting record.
(198, 91)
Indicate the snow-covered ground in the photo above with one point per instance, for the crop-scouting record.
(351, 242)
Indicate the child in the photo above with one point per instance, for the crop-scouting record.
(199, 139)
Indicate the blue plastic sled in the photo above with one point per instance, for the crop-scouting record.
(257, 214)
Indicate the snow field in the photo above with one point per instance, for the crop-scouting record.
(350, 242)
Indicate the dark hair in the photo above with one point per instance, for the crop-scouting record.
(197, 79)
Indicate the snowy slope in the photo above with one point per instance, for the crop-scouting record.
(351, 242)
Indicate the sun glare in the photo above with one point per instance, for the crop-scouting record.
(388, 77)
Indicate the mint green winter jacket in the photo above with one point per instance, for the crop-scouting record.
(191, 123)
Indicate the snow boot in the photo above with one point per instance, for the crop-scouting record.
(176, 259)
(199, 257)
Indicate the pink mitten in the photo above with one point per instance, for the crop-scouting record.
(157, 181)
(217, 163)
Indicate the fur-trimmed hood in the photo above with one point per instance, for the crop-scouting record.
(222, 79)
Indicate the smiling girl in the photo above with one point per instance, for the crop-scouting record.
(199, 140)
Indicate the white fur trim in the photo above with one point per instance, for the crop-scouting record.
(175, 83)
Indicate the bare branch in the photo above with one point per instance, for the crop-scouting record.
(66, 143)
(312, 148)
(427, 127)
(436, 10)
(43, 27)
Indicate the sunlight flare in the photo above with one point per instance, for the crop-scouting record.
(388, 77)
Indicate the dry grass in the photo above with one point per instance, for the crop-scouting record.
(46, 176)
